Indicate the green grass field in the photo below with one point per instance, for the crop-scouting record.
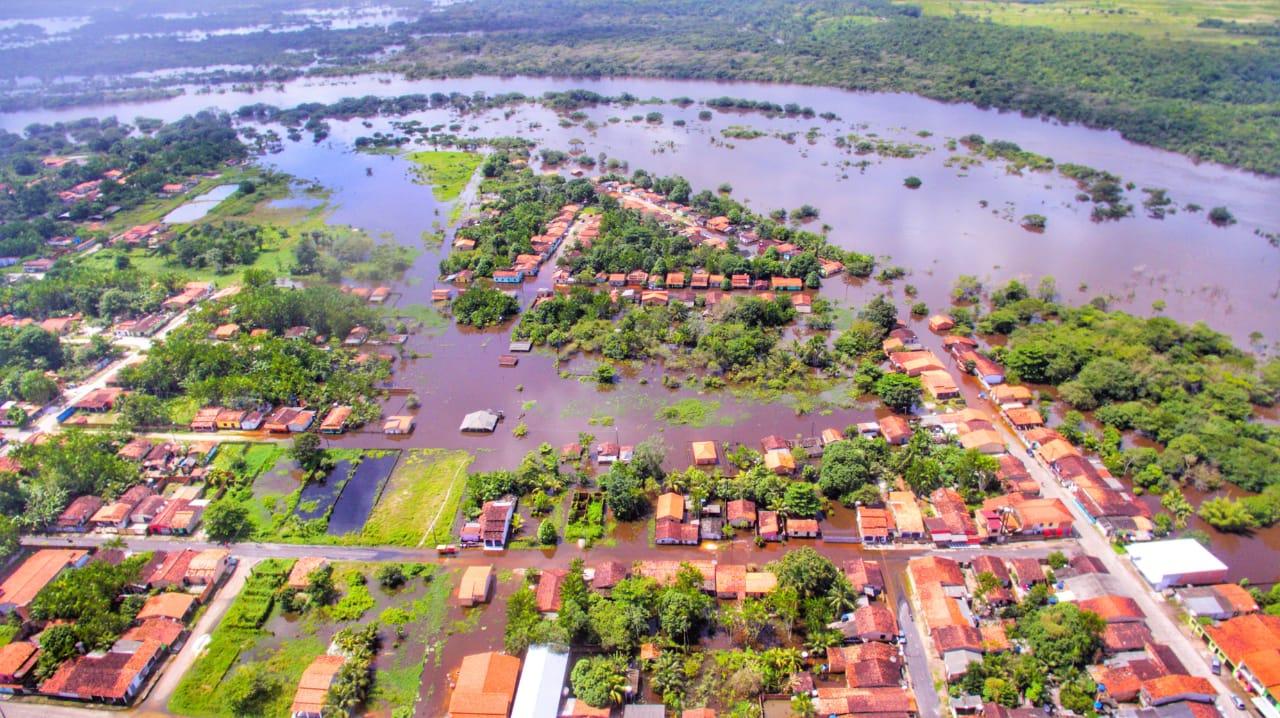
(447, 172)
(1157, 19)
(419, 502)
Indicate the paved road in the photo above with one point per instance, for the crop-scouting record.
(157, 699)
(915, 650)
(1164, 627)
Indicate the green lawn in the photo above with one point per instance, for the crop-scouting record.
(420, 500)
(448, 172)
(1171, 19)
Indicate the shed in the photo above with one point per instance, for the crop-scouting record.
(475, 586)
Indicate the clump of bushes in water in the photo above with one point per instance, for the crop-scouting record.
(1034, 222)
(1221, 216)
(912, 182)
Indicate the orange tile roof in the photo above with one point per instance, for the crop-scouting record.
(1112, 608)
(302, 569)
(704, 452)
(1243, 635)
(313, 687)
(155, 629)
(671, 505)
(935, 569)
(1168, 688)
(35, 573)
(1233, 593)
(486, 686)
(731, 579)
(171, 605)
(474, 586)
(13, 656)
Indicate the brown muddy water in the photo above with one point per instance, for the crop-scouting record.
(1226, 277)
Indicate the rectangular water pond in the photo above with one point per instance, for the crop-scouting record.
(361, 493)
(319, 496)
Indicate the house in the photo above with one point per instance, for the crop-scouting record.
(178, 518)
(229, 419)
(829, 267)
(700, 279)
(986, 441)
(953, 525)
(113, 516)
(39, 569)
(300, 574)
(1218, 602)
(301, 421)
(1113, 608)
(872, 622)
(939, 323)
(670, 532)
(1043, 517)
(485, 687)
(1248, 645)
(206, 419)
(675, 280)
(875, 525)
(312, 694)
(802, 528)
(939, 384)
(207, 567)
(1177, 562)
(335, 422)
(226, 332)
(831, 435)
(711, 528)
(99, 401)
(670, 506)
(16, 661)
(865, 576)
(607, 575)
(479, 422)
(75, 518)
(769, 529)
(191, 293)
(356, 337)
(786, 284)
(741, 513)
(508, 276)
(705, 453)
(476, 585)
(1023, 419)
(1007, 394)
(1027, 571)
(780, 461)
(111, 677)
(1173, 688)
(740, 281)
(547, 594)
(252, 421)
(908, 521)
(379, 295)
(172, 606)
(894, 429)
(398, 425)
(38, 266)
(495, 522)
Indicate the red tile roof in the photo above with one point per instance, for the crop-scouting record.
(110, 676)
(1243, 635)
(1167, 689)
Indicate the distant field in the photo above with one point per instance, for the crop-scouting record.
(447, 172)
(1171, 19)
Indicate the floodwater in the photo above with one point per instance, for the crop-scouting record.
(361, 492)
(960, 221)
(200, 206)
(318, 496)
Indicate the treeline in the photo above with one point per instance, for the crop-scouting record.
(1210, 102)
(146, 161)
(1187, 387)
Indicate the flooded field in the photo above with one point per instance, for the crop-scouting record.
(962, 220)
(198, 207)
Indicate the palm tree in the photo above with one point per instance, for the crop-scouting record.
(802, 706)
